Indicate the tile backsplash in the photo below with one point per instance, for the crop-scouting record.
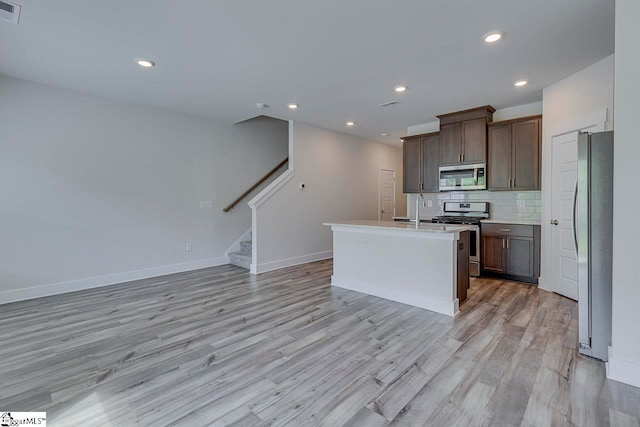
(502, 204)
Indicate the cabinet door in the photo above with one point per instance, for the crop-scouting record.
(430, 163)
(520, 256)
(450, 143)
(474, 141)
(411, 165)
(493, 253)
(499, 163)
(526, 155)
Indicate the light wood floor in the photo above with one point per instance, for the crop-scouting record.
(220, 347)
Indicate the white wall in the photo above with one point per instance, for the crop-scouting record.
(578, 101)
(95, 191)
(624, 360)
(578, 95)
(340, 173)
(523, 110)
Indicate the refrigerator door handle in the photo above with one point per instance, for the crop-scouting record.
(575, 226)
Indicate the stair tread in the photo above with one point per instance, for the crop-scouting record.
(240, 255)
(240, 259)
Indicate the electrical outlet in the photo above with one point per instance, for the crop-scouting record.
(189, 247)
(430, 203)
(206, 203)
(521, 203)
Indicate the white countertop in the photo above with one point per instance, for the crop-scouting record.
(511, 221)
(403, 226)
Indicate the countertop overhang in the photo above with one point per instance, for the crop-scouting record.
(425, 230)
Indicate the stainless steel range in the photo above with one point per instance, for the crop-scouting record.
(468, 213)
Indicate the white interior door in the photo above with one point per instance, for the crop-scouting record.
(386, 194)
(564, 278)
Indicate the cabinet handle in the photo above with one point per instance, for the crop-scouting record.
(507, 243)
(462, 156)
(421, 186)
(514, 182)
(502, 243)
(509, 182)
(505, 229)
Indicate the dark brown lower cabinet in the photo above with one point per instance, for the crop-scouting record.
(520, 256)
(463, 266)
(511, 251)
(493, 254)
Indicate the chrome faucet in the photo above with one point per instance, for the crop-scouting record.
(418, 209)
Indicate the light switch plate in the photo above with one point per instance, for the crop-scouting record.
(206, 203)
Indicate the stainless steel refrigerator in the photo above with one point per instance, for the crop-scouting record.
(593, 232)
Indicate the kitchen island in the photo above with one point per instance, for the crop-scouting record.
(426, 267)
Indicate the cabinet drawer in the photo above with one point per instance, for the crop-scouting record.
(507, 230)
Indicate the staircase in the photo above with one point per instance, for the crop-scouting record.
(242, 258)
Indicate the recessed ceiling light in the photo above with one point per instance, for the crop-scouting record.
(293, 106)
(351, 123)
(384, 134)
(493, 36)
(146, 63)
(520, 83)
(400, 88)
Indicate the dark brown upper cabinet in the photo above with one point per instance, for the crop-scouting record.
(514, 154)
(463, 136)
(421, 157)
(411, 165)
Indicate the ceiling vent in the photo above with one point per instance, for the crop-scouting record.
(9, 12)
(387, 104)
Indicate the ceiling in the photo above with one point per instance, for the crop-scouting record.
(338, 59)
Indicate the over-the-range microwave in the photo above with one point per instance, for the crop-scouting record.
(463, 177)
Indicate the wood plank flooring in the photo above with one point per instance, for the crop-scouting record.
(219, 347)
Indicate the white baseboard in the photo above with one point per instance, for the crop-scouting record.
(623, 371)
(110, 279)
(542, 283)
(450, 308)
(289, 262)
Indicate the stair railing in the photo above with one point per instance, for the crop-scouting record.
(254, 186)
